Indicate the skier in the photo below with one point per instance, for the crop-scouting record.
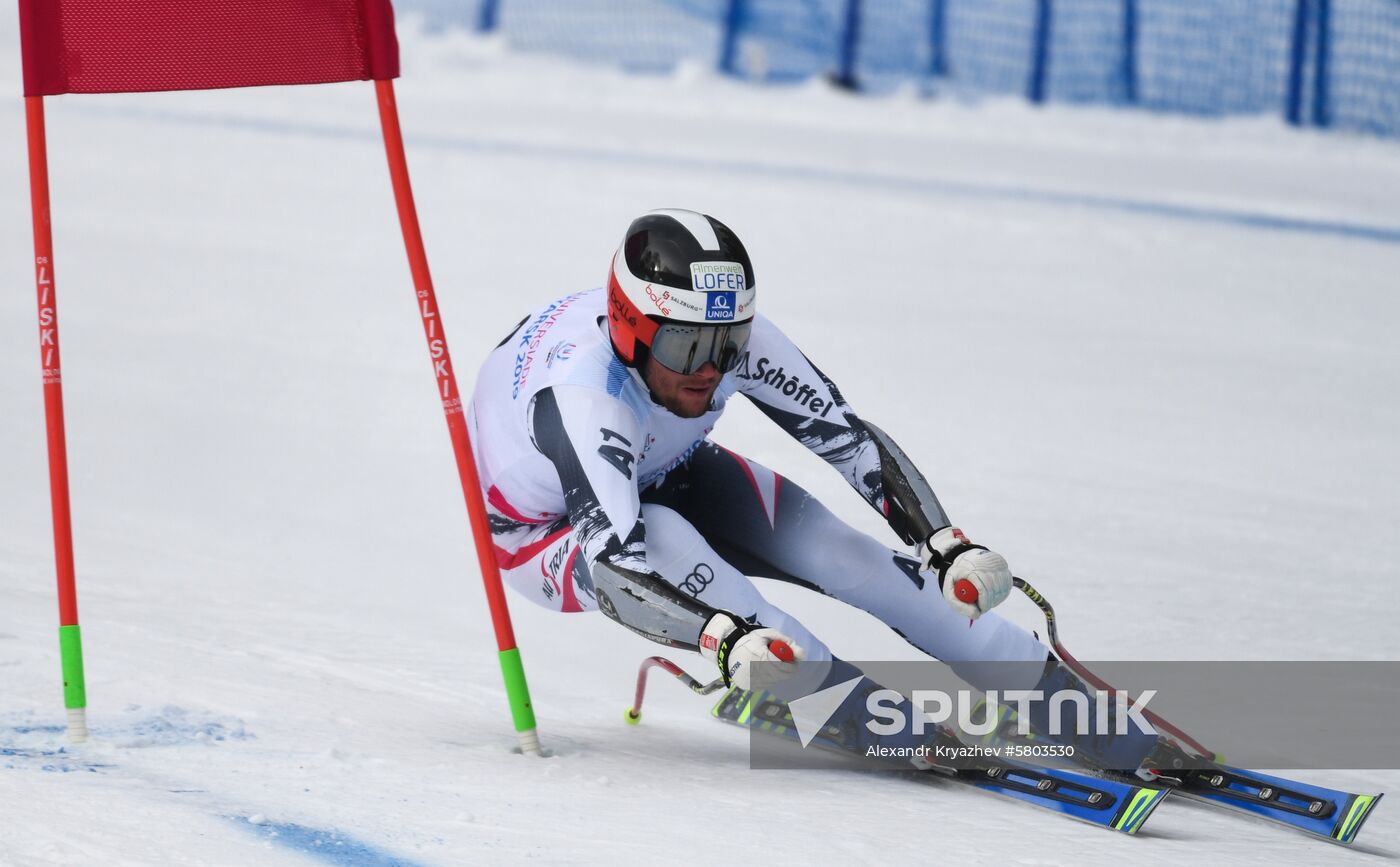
(591, 425)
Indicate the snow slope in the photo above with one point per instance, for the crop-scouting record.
(1149, 359)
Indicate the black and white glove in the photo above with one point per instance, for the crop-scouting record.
(736, 646)
(955, 559)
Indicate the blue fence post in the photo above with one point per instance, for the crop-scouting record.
(1040, 58)
(729, 44)
(1322, 108)
(937, 38)
(487, 15)
(1297, 57)
(1130, 39)
(850, 39)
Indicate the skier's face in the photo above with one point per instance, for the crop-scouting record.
(686, 395)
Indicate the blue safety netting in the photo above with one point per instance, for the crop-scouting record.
(1364, 66)
(637, 35)
(989, 43)
(787, 40)
(1322, 62)
(1088, 51)
(1214, 56)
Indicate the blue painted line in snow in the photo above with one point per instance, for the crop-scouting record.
(28, 753)
(57, 761)
(331, 847)
(893, 183)
(40, 729)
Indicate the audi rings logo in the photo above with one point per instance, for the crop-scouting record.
(699, 578)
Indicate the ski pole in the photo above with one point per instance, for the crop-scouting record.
(967, 592)
(633, 714)
(780, 649)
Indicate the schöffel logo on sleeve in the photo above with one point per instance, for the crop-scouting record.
(719, 306)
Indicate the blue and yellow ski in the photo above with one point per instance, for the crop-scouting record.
(1121, 806)
(1321, 812)
(1328, 814)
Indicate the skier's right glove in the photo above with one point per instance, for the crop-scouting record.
(737, 647)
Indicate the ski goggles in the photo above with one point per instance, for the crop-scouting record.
(686, 348)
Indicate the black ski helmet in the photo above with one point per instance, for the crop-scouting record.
(681, 289)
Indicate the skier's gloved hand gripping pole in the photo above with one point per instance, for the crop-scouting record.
(749, 656)
(737, 641)
(973, 579)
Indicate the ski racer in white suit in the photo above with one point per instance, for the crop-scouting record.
(591, 423)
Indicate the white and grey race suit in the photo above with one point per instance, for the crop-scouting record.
(599, 498)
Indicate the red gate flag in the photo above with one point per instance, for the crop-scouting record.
(116, 46)
(120, 46)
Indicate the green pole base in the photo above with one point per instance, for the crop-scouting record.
(517, 691)
(70, 648)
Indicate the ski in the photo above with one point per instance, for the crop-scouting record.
(1327, 814)
(1114, 804)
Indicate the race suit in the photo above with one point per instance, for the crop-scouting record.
(599, 498)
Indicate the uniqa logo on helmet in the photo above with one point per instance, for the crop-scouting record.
(678, 267)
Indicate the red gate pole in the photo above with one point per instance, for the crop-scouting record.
(70, 640)
(517, 692)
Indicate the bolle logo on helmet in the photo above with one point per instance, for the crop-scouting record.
(621, 310)
(717, 277)
(719, 306)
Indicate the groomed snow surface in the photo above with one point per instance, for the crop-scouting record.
(1150, 359)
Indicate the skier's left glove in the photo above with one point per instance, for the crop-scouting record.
(955, 559)
(738, 647)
